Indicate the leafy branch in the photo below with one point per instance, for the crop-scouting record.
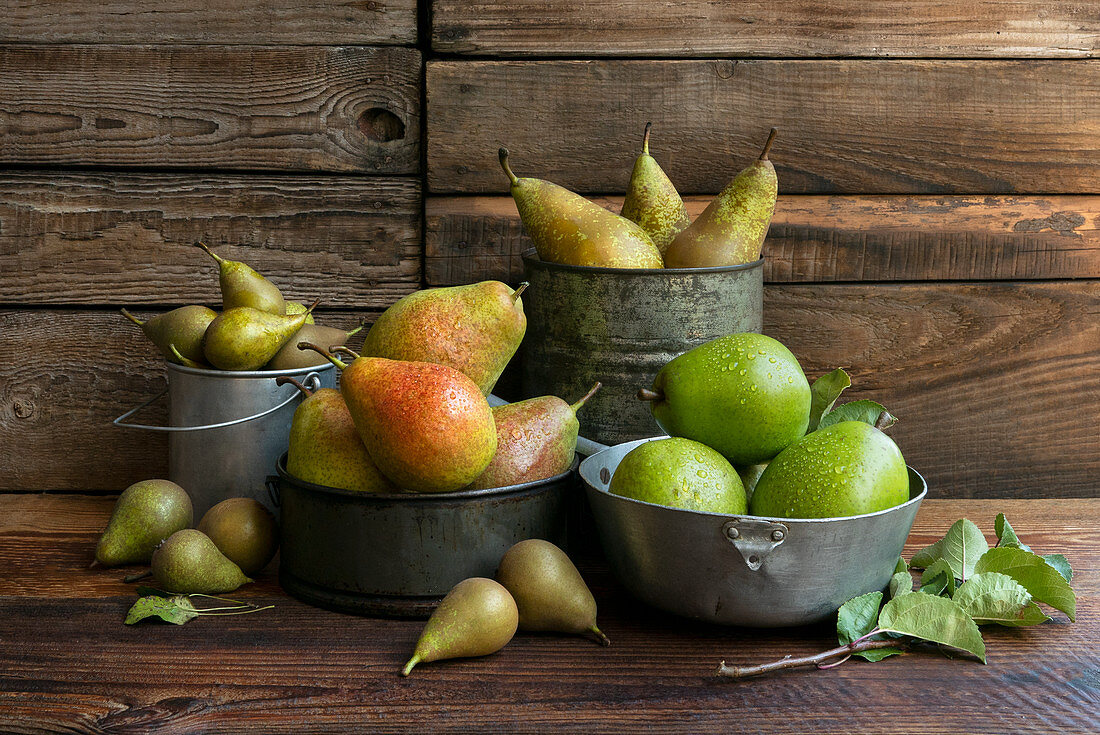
(179, 609)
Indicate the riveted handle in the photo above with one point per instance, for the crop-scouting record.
(755, 538)
(272, 485)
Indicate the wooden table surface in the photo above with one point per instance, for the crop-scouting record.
(67, 662)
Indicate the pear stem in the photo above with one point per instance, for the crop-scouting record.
(768, 144)
(312, 306)
(409, 666)
(210, 252)
(285, 380)
(185, 361)
(645, 139)
(324, 353)
(94, 564)
(599, 635)
(503, 155)
(645, 394)
(137, 577)
(522, 287)
(345, 350)
(584, 399)
(131, 317)
(357, 330)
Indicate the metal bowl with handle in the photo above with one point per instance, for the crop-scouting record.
(742, 569)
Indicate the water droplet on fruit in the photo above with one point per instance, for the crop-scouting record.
(752, 356)
(771, 360)
(790, 379)
(741, 371)
(701, 473)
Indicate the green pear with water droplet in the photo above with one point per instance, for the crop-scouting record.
(846, 469)
(243, 286)
(652, 201)
(243, 338)
(145, 514)
(182, 327)
(679, 473)
(188, 562)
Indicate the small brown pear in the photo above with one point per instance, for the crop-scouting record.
(243, 338)
(548, 590)
(476, 618)
(242, 286)
(244, 531)
(289, 357)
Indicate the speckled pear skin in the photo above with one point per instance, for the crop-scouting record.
(289, 357)
(145, 514)
(845, 469)
(244, 531)
(244, 338)
(297, 307)
(744, 394)
(652, 201)
(569, 229)
(188, 562)
(475, 329)
(679, 473)
(731, 230)
(182, 327)
(476, 618)
(242, 286)
(325, 447)
(427, 427)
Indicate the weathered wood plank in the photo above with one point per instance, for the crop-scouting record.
(65, 375)
(846, 126)
(82, 238)
(69, 663)
(210, 22)
(995, 384)
(825, 238)
(790, 28)
(226, 107)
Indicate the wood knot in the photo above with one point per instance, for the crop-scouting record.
(381, 125)
(725, 68)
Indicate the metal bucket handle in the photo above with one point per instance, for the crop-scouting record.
(311, 381)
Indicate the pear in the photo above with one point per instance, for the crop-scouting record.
(182, 327)
(567, 228)
(243, 338)
(242, 286)
(145, 514)
(325, 448)
(426, 426)
(750, 475)
(652, 201)
(731, 230)
(476, 618)
(297, 307)
(679, 473)
(536, 439)
(549, 591)
(475, 329)
(244, 531)
(289, 357)
(188, 562)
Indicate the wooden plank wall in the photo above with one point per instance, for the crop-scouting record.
(938, 232)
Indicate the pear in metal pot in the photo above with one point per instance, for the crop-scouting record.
(242, 286)
(652, 201)
(244, 531)
(188, 562)
(476, 618)
(243, 338)
(289, 357)
(182, 327)
(297, 307)
(145, 514)
(548, 590)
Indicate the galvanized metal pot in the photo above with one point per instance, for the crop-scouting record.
(620, 326)
(227, 428)
(399, 553)
(743, 570)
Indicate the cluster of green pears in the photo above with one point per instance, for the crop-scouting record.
(748, 433)
(653, 229)
(257, 328)
(151, 524)
(412, 412)
(537, 588)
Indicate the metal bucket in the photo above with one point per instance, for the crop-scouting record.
(744, 570)
(398, 554)
(228, 428)
(620, 326)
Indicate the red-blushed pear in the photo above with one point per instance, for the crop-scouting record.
(427, 427)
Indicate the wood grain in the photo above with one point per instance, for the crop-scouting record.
(210, 22)
(84, 238)
(846, 126)
(790, 28)
(69, 663)
(825, 238)
(227, 107)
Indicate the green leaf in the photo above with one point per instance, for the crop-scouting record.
(1042, 581)
(1005, 535)
(856, 618)
(901, 584)
(938, 579)
(868, 412)
(1060, 563)
(992, 597)
(901, 566)
(823, 395)
(177, 609)
(961, 548)
(932, 618)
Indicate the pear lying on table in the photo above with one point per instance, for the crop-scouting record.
(188, 562)
(244, 531)
(145, 514)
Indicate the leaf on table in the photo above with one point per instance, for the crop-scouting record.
(901, 584)
(961, 548)
(932, 618)
(176, 609)
(823, 395)
(869, 412)
(1042, 581)
(1006, 536)
(856, 618)
(992, 597)
(901, 566)
(938, 579)
(1061, 564)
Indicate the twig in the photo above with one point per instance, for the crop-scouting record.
(789, 662)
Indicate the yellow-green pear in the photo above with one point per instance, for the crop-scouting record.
(297, 307)
(182, 327)
(145, 514)
(652, 201)
(243, 338)
(242, 286)
(188, 562)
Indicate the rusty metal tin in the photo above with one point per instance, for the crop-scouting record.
(620, 326)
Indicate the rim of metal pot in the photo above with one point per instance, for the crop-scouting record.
(520, 489)
(532, 257)
(247, 374)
